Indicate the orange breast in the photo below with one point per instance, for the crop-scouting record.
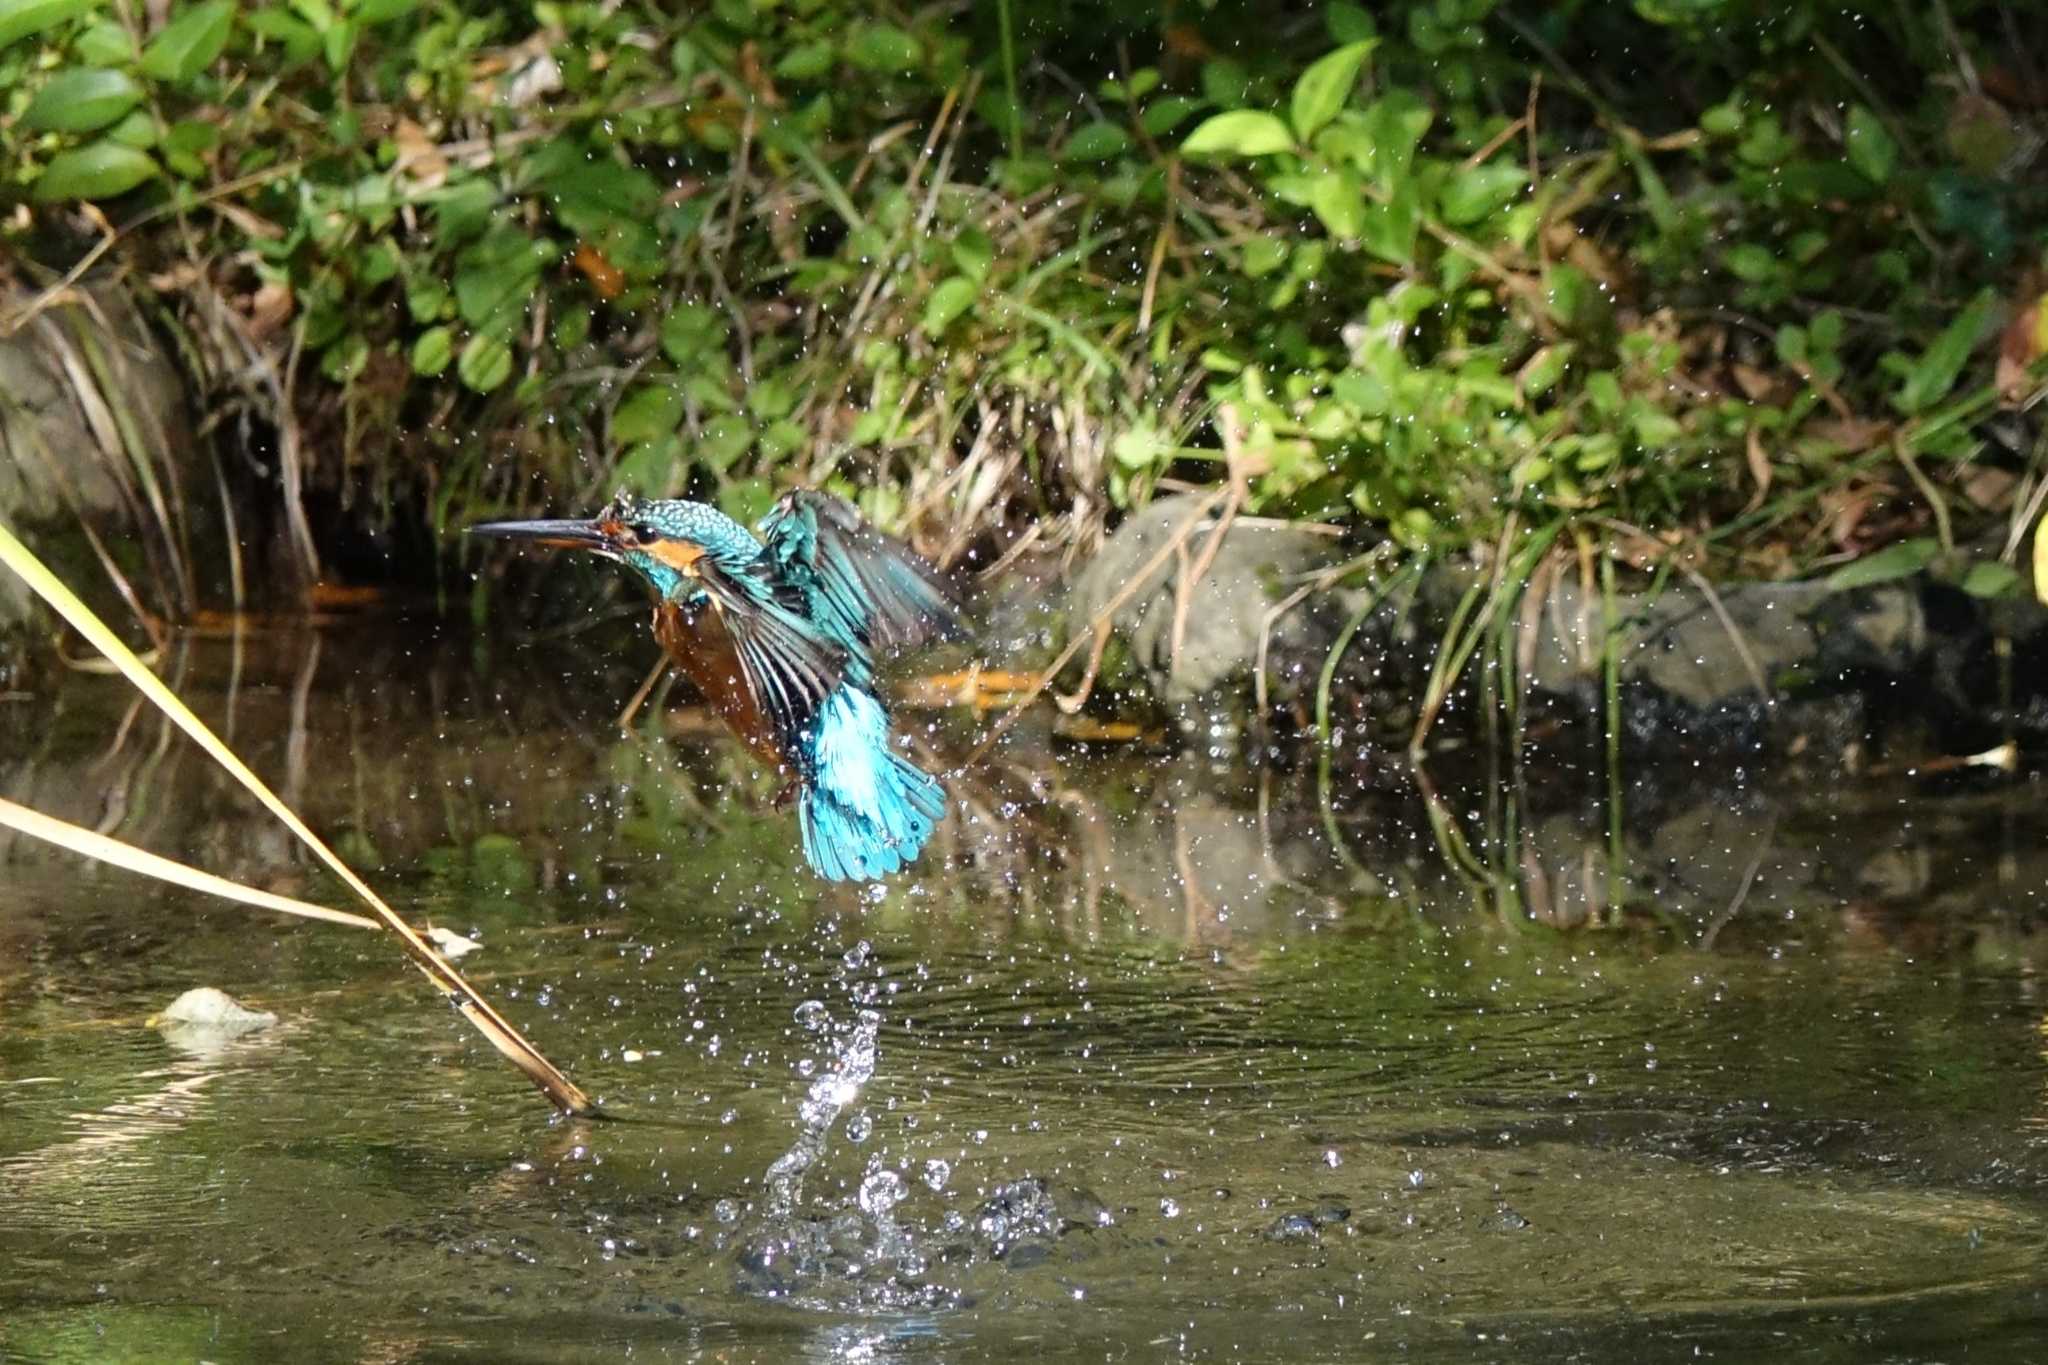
(699, 644)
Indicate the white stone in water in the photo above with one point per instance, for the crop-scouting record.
(451, 944)
(208, 1008)
(880, 1193)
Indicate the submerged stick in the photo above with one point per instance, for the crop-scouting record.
(559, 1089)
(91, 844)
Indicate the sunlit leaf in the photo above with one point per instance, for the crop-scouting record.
(1326, 85)
(1340, 203)
(1989, 578)
(485, 364)
(948, 301)
(1900, 560)
(432, 352)
(1870, 147)
(1472, 194)
(23, 18)
(1241, 132)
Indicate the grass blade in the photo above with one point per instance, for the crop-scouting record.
(89, 844)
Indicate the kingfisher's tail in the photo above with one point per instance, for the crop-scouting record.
(864, 811)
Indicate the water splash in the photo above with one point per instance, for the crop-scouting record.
(851, 1065)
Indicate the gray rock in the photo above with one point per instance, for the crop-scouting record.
(1257, 563)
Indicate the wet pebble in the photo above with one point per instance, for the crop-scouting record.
(1024, 1255)
(1503, 1219)
(1292, 1227)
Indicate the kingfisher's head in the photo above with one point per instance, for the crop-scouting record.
(652, 538)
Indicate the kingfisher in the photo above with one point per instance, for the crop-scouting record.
(781, 634)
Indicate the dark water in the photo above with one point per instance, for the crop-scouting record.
(1166, 1063)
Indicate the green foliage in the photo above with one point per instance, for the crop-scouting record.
(721, 246)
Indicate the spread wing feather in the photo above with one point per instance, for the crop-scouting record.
(869, 590)
(789, 666)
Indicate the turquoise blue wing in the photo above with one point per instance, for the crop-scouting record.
(869, 591)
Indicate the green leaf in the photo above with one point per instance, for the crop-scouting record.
(80, 101)
(1164, 115)
(1340, 203)
(485, 364)
(1348, 23)
(432, 352)
(1900, 560)
(1390, 228)
(805, 62)
(103, 43)
(1931, 377)
(973, 252)
(1096, 142)
(1544, 369)
(1395, 124)
(138, 130)
(948, 301)
(189, 43)
(1326, 85)
(98, 170)
(495, 278)
(1751, 262)
(1241, 132)
(690, 331)
(1471, 195)
(884, 47)
(650, 412)
(1989, 578)
(1870, 147)
(21, 18)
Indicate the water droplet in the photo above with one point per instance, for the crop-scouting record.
(880, 1193)
(859, 1127)
(936, 1173)
(726, 1212)
(1169, 1208)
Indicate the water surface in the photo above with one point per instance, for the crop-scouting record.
(1154, 1058)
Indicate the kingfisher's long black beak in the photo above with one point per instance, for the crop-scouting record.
(571, 535)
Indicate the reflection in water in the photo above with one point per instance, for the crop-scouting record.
(1157, 1053)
